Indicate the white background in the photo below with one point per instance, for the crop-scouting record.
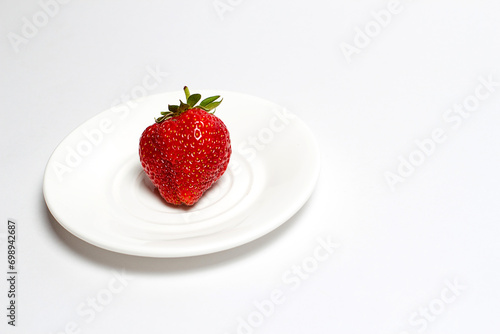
(399, 248)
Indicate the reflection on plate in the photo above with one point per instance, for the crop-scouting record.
(94, 185)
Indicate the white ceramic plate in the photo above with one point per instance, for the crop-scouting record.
(94, 185)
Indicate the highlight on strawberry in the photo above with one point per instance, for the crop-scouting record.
(186, 150)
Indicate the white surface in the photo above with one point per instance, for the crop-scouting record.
(95, 187)
(396, 252)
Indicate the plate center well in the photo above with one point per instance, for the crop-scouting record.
(133, 194)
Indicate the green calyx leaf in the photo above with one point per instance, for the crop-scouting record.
(208, 104)
(193, 99)
(211, 105)
(208, 100)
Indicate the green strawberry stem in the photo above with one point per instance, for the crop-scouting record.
(207, 104)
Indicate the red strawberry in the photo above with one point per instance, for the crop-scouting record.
(186, 150)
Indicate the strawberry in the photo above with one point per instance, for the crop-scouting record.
(186, 150)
